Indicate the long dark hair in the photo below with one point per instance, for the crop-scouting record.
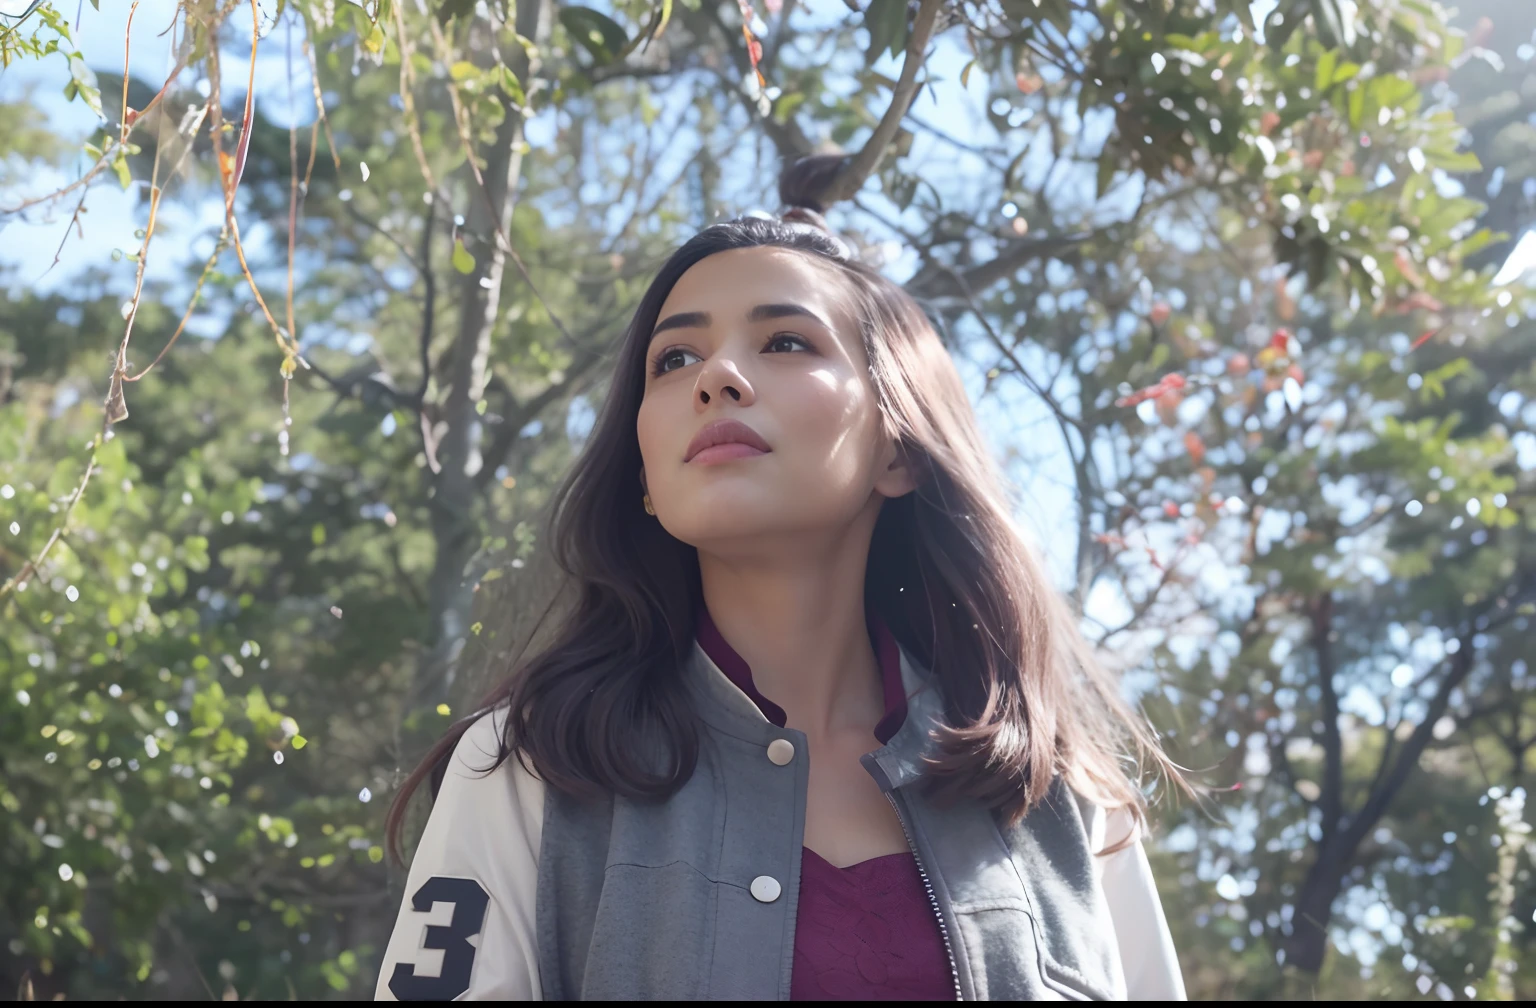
(948, 573)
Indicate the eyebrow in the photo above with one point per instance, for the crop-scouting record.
(759, 313)
(764, 312)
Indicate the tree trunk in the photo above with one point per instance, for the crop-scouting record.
(455, 520)
(1307, 944)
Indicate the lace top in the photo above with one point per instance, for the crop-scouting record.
(868, 931)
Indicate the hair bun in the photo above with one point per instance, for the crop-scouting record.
(805, 215)
(803, 186)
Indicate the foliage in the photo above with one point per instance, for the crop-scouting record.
(1218, 268)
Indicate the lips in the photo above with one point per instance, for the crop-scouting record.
(725, 440)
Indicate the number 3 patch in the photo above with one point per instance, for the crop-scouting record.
(470, 901)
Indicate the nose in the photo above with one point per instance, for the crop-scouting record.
(721, 378)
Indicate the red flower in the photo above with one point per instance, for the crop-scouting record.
(1425, 337)
(1195, 445)
(1168, 383)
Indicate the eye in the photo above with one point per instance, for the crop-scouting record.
(671, 359)
(786, 343)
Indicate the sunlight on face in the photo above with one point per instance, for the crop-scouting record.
(765, 337)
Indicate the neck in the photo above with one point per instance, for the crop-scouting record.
(797, 618)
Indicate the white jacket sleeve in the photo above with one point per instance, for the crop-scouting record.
(465, 931)
(1147, 955)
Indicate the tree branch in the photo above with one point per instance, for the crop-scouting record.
(375, 227)
(863, 164)
(524, 413)
(938, 281)
(1280, 759)
(428, 304)
(1408, 760)
(1332, 799)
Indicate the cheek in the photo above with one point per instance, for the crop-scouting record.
(837, 414)
(650, 430)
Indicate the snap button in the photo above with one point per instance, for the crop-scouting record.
(765, 889)
(780, 751)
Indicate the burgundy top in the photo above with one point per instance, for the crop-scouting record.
(866, 932)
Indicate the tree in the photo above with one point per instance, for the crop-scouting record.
(1147, 194)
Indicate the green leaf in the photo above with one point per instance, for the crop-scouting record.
(1324, 74)
(1277, 35)
(652, 30)
(1335, 22)
(462, 260)
(120, 165)
(64, 478)
(1458, 161)
(511, 85)
(450, 9)
(463, 70)
(1356, 107)
(84, 80)
(786, 105)
(663, 17)
(1107, 165)
(886, 22)
(599, 34)
(1392, 91)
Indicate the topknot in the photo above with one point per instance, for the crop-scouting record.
(804, 183)
(803, 186)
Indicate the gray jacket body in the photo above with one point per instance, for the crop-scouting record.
(695, 897)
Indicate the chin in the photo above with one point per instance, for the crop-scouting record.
(722, 517)
(702, 530)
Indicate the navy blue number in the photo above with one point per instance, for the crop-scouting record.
(469, 901)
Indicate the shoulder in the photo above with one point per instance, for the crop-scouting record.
(479, 853)
(1119, 829)
(483, 778)
(1147, 954)
(479, 748)
(1110, 828)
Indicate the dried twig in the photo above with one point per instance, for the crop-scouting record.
(32, 566)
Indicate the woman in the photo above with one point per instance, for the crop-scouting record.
(815, 725)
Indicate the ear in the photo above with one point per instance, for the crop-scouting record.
(896, 478)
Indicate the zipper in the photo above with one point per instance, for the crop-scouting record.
(933, 900)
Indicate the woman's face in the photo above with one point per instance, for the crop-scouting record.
(764, 338)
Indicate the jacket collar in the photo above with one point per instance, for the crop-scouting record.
(887, 654)
(724, 707)
(901, 760)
